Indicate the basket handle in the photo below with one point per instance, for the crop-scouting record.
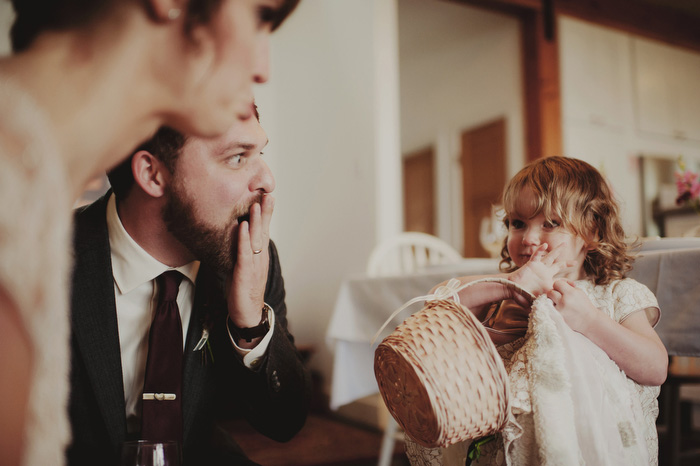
(511, 285)
(451, 290)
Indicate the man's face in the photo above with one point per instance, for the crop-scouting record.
(214, 184)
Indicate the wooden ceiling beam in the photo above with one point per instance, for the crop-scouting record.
(543, 132)
(634, 16)
(652, 21)
(513, 7)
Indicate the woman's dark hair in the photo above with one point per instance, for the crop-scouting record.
(36, 16)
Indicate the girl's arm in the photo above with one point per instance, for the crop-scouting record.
(632, 344)
(477, 299)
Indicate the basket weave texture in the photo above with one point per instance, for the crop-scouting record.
(441, 377)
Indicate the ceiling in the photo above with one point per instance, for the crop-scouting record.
(691, 7)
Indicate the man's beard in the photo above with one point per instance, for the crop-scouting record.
(214, 246)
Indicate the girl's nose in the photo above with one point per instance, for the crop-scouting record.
(531, 237)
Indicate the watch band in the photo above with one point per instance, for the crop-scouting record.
(249, 333)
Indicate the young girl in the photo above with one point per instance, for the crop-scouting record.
(565, 240)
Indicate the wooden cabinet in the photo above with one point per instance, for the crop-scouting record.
(667, 90)
(594, 74)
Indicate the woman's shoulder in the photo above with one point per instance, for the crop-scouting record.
(24, 126)
(34, 216)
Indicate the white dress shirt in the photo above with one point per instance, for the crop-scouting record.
(134, 272)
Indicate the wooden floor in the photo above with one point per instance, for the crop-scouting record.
(329, 441)
(324, 441)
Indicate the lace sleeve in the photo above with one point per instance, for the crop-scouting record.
(631, 296)
(419, 455)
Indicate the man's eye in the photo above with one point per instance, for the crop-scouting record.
(235, 160)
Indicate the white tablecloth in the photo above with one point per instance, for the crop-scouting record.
(362, 306)
(669, 267)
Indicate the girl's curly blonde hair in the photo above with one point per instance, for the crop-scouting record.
(575, 192)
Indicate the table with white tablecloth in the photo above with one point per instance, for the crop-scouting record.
(668, 267)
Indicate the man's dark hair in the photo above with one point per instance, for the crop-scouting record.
(165, 145)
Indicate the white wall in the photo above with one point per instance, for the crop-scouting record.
(459, 67)
(600, 107)
(331, 113)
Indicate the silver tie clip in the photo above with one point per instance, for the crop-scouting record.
(159, 396)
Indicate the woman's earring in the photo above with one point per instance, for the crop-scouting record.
(174, 13)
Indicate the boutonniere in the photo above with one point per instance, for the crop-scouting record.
(474, 450)
(204, 347)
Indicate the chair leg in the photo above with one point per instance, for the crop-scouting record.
(388, 441)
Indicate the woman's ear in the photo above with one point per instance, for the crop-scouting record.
(150, 174)
(204, 46)
(166, 10)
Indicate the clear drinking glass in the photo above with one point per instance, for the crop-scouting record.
(492, 231)
(148, 453)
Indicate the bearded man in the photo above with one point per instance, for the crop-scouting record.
(191, 216)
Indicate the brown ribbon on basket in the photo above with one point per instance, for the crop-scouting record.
(506, 321)
(439, 372)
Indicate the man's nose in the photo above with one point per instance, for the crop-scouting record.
(264, 179)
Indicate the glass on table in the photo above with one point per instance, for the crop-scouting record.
(149, 453)
(493, 231)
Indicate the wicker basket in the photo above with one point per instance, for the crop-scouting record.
(441, 376)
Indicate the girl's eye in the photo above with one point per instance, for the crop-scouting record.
(516, 224)
(551, 224)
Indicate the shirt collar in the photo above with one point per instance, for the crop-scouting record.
(132, 266)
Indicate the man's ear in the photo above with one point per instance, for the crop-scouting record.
(149, 173)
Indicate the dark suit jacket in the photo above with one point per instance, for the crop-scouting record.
(274, 398)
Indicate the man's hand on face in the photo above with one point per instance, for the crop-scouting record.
(247, 288)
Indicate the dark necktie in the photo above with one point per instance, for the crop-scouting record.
(162, 388)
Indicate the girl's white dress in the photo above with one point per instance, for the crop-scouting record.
(570, 402)
(35, 220)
